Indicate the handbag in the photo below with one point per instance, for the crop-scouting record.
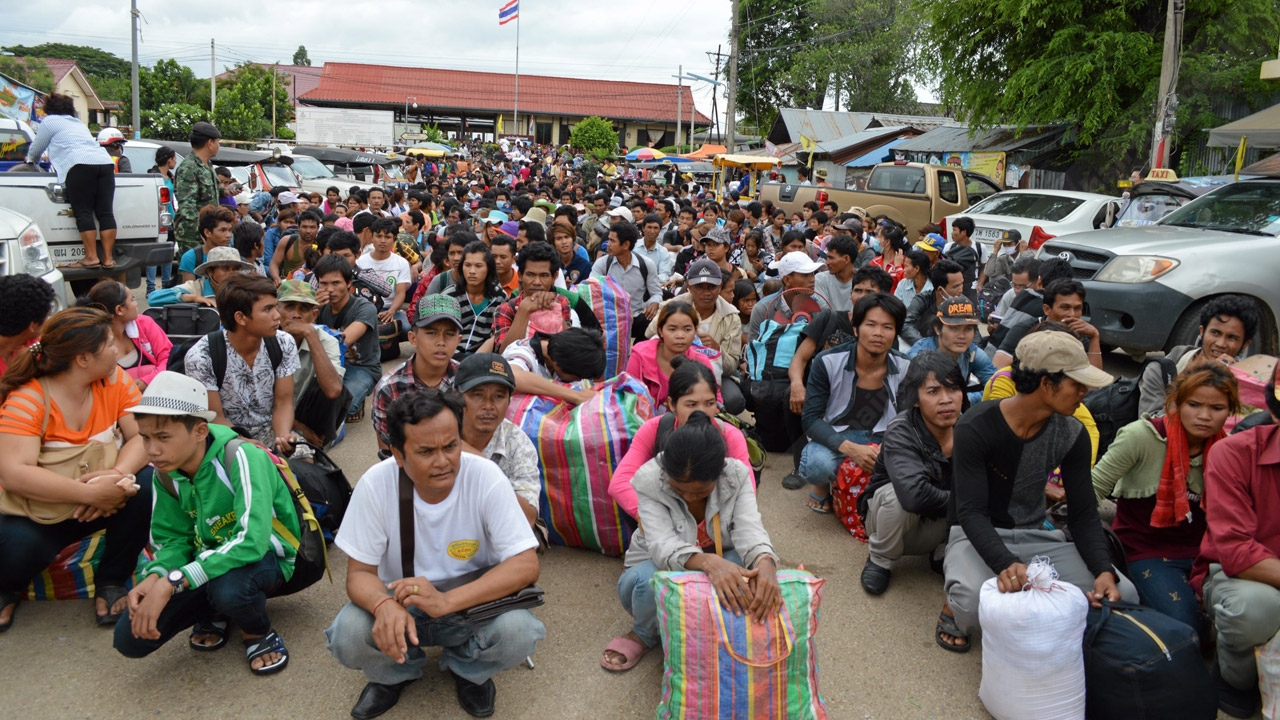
(73, 462)
(523, 599)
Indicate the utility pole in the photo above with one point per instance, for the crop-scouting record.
(135, 119)
(679, 104)
(717, 56)
(273, 101)
(213, 77)
(731, 106)
(1167, 102)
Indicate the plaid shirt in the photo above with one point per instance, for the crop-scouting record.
(398, 382)
(506, 314)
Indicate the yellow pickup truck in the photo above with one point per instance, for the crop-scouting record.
(913, 194)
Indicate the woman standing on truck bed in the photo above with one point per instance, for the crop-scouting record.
(87, 172)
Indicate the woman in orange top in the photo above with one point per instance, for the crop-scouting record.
(67, 391)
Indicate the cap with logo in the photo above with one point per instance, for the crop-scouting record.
(933, 242)
(794, 262)
(704, 272)
(299, 291)
(433, 308)
(958, 311)
(1053, 351)
(483, 368)
(172, 393)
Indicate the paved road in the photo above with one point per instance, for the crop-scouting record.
(877, 655)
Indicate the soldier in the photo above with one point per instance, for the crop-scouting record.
(195, 183)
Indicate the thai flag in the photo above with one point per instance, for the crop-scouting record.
(509, 12)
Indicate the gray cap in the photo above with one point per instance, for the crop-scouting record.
(205, 131)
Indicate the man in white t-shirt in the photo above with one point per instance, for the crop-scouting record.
(393, 268)
(470, 545)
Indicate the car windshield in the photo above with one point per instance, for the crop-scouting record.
(280, 175)
(1252, 208)
(1146, 209)
(897, 178)
(310, 168)
(1032, 206)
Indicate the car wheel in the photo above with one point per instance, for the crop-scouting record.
(1187, 330)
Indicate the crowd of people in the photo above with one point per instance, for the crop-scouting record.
(855, 348)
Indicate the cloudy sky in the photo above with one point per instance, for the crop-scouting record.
(642, 41)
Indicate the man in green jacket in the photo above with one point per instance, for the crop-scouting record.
(195, 184)
(224, 528)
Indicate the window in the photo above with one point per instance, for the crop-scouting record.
(897, 178)
(542, 134)
(1032, 206)
(13, 145)
(978, 188)
(948, 187)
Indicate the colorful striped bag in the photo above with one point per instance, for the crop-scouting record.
(578, 448)
(71, 574)
(719, 666)
(612, 307)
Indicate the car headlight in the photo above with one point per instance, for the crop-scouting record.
(35, 252)
(1135, 269)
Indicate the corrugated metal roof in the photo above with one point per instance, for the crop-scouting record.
(858, 138)
(495, 92)
(877, 155)
(825, 125)
(955, 138)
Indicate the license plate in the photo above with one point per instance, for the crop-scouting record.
(67, 253)
(989, 234)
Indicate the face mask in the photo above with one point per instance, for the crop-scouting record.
(875, 244)
(1008, 249)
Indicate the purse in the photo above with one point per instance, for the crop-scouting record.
(72, 462)
(522, 599)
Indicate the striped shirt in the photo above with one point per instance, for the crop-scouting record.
(477, 325)
(69, 143)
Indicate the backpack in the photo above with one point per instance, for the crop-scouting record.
(326, 488)
(1116, 405)
(990, 294)
(184, 321)
(644, 272)
(777, 340)
(218, 354)
(1140, 664)
(755, 447)
(312, 560)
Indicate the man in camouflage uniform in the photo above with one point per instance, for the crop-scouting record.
(196, 184)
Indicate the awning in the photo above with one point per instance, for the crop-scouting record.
(1261, 128)
(753, 162)
(876, 156)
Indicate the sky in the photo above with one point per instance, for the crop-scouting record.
(640, 41)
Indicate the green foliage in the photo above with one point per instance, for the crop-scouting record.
(594, 133)
(28, 71)
(285, 133)
(169, 82)
(765, 83)
(172, 121)
(92, 61)
(244, 103)
(300, 56)
(434, 134)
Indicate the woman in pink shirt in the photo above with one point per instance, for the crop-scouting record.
(143, 347)
(650, 360)
(692, 389)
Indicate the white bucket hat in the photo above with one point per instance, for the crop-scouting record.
(172, 393)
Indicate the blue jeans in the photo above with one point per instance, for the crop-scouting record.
(819, 463)
(166, 272)
(474, 651)
(360, 381)
(641, 603)
(238, 596)
(1164, 584)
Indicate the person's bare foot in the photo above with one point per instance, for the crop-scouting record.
(205, 639)
(100, 606)
(260, 662)
(6, 613)
(955, 641)
(617, 659)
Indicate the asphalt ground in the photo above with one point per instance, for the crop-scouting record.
(877, 656)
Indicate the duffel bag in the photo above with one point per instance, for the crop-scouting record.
(1141, 664)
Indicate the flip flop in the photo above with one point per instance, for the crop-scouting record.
(947, 626)
(208, 627)
(80, 265)
(627, 648)
(108, 267)
(265, 645)
(824, 504)
(7, 599)
(112, 594)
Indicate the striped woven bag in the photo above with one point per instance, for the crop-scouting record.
(719, 666)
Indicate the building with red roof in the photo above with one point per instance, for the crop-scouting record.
(472, 103)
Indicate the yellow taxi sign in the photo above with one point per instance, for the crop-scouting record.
(1163, 175)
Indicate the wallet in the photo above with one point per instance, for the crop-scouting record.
(525, 599)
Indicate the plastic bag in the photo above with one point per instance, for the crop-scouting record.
(1269, 677)
(1032, 658)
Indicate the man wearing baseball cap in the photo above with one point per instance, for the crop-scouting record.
(955, 333)
(436, 332)
(1002, 450)
(932, 244)
(1238, 567)
(318, 382)
(486, 382)
(195, 185)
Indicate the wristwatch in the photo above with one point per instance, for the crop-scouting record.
(176, 578)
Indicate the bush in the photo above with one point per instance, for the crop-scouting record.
(594, 133)
(285, 133)
(172, 121)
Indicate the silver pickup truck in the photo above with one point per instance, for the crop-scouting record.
(23, 251)
(142, 220)
(1146, 285)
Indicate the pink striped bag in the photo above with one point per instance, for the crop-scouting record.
(719, 666)
(612, 307)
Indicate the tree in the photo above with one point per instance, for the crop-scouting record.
(168, 82)
(244, 103)
(300, 57)
(92, 61)
(1094, 66)
(172, 121)
(594, 134)
(764, 80)
(29, 71)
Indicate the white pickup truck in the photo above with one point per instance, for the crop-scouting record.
(142, 219)
(23, 251)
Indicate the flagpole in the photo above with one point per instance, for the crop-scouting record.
(516, 123)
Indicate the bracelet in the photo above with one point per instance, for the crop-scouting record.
(375, 607)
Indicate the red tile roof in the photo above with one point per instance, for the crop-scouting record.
(495, 92)
(59, 68)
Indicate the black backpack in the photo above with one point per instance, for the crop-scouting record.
(990, 294)
(1140, 664)
(218, 354)
(1116, 405)
(185, 321)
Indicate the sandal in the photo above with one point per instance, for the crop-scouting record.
(112, 594)
(208, 627)
(7, 599)
(356, 416)
(629, 649)
(947, 626)
(265, 645)
(80, 265)
(823, 506)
